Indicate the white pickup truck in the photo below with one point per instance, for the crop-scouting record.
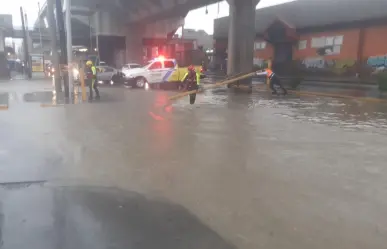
(158, 71)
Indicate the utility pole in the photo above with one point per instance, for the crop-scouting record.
(62, 42)
(97, 31)
(91, 34)
(40, 30)
(69, 42)
(29, 42)
(26, 54)
(54, 49)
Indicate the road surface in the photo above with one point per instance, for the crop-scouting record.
(232, 171)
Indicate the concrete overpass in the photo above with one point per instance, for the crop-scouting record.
(136, 20)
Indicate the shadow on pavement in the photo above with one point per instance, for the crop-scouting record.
(39, 217)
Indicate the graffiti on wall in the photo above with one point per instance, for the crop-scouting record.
(321, 65)
(377, 61)
(317, 62)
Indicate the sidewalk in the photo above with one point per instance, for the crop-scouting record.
(321, 88)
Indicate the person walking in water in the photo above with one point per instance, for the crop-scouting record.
(192, 82)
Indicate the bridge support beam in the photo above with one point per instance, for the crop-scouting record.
(241, 36)
(134, 47)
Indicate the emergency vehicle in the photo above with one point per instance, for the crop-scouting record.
(163, 72)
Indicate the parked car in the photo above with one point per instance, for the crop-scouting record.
(131, 66)
(108, 75)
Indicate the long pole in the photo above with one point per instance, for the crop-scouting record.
(91, 34)
(97, 31)
(63, 48)
(69, 41)
(26, 54)
(54, 49)
(40, 30)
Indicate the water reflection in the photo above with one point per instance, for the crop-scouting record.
(347, 113)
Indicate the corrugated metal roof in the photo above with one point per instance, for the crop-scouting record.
(311, 13)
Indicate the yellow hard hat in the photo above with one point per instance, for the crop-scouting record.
(89, 63)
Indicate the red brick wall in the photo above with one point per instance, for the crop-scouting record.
(375, 41)
(266, 53)
(375, 44)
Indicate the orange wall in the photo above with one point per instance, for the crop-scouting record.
(375, 41)
(266, 53)
(375, 44)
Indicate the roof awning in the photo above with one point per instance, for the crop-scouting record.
(280, 31)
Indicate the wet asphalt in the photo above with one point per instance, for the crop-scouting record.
(235, 170)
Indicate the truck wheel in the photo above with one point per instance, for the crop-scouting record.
(140, 82)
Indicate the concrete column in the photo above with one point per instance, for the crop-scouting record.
(134, 47)
(3, 57)
(2, 41)
(241, 36)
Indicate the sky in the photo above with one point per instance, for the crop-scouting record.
(196, 19)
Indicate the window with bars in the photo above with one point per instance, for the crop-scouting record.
(302, 44)
(333, 43)
(260, 45)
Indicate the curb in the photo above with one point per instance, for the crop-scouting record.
(329, 95)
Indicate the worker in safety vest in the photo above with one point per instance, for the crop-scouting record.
(91, 77)
(192, 82)
(274, 80)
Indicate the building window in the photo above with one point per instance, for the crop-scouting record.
(302, 44)
(260, 45)
(332, 43)
(336, 49)
(318, 42)
(338, 40)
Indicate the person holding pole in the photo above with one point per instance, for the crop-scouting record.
(192, 82)
(273, 80)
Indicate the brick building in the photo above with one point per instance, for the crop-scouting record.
(318, 34)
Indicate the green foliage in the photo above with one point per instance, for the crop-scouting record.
(382, 81)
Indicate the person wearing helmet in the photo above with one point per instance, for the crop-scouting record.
(191, 81)
(91, 76)
(274, 80)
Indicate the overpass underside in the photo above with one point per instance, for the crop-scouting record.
(124, 26)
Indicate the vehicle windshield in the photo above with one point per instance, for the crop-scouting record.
(148, 64)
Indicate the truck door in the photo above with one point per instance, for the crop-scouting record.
(155, 72)
(171, 72)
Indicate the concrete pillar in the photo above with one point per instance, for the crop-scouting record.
(3, 57)
(134, 47)
(241, 36)
(2, 41)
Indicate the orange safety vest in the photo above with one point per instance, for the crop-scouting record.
(269, 73)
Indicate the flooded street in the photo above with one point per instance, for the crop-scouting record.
(250, 171)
